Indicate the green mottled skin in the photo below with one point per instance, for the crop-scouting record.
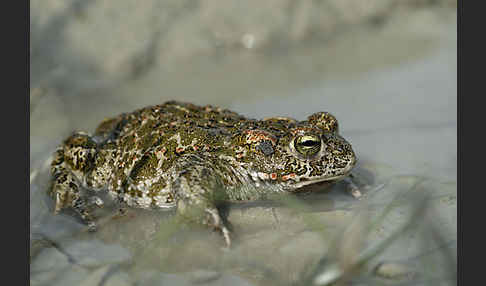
(185, 156)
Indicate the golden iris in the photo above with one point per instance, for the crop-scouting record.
(307, 145)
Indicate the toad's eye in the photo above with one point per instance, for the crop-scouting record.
(307, 145)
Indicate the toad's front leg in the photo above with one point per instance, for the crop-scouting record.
(206, 213)
(199, 190)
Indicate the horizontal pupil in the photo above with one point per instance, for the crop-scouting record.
(309, 143)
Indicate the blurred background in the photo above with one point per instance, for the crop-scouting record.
(387, 69)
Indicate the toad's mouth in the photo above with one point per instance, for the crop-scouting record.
(316, 181)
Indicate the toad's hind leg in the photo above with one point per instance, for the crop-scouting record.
(71, 162)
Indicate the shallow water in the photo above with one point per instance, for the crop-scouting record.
(393, 90)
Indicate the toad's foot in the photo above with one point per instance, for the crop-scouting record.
(217, 223)
(82, 207)
(352, 188)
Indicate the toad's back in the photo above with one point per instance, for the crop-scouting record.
(171, 117)
(142, 146)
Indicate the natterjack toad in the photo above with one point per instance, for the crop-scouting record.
(179, 155)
